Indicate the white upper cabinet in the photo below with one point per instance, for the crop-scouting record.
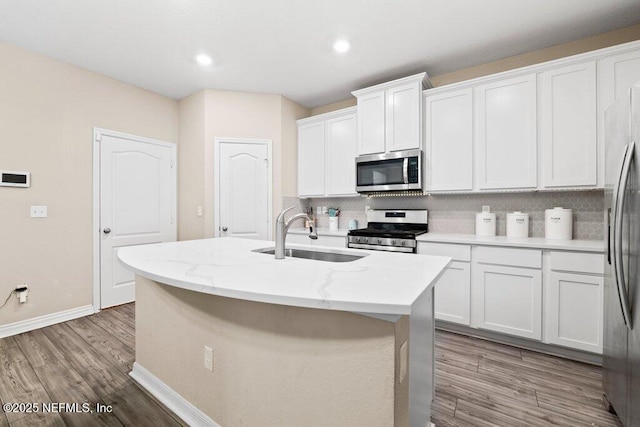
(449, 141)
(389, 115)
(506, 133)
(616, 74)
(311, 159)
(403, 108)
(568, 126)
(341, 137)
(371, 111)
(326, 154)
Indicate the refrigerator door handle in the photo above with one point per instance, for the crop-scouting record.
(618, 207)
(609, 236)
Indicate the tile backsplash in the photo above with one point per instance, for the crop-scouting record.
(453, 213)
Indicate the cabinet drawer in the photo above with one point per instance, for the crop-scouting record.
(578, 262)
(457, 252)
(530, 258)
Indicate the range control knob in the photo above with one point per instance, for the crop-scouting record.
(357, 239)
(403, 243)
(379, 241)
(393, 243)
(366, 240)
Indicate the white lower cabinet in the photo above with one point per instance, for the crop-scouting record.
(507, 291)
(508, 300)
(453, 289)
(574, 300)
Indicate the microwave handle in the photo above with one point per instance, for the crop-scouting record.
(405, 170)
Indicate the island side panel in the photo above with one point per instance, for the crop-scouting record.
(273, 365)
(421, 359)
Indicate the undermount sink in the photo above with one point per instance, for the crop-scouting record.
(333, 256)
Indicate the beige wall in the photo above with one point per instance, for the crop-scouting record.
(191, 164)
(554, 52)
(351, 102)
(599, 41)
(290, 113)
(273, 365)
(47, 113)
(215, 113)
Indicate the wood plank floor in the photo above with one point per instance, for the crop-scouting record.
(83, 360)
(478, 383)
(481, 383)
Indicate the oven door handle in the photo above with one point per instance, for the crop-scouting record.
(405, 170)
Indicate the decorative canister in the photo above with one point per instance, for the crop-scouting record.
(517, 224)
(558, 224)
(486, 224)
(353, 224)
(333, 223)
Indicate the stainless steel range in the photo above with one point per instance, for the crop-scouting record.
(390, 230)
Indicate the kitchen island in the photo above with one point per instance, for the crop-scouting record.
(294, 341)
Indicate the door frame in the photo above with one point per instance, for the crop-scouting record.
(217, 142)
(98, 133)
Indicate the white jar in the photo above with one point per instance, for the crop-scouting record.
(517, 224)
(486, 224)
(558, 224)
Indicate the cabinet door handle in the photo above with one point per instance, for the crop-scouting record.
(106, 231)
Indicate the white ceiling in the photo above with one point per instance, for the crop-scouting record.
(285, 46)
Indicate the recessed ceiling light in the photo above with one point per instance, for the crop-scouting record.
(341, 46)
(204, 59)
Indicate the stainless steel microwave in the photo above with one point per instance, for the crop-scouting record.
(398, 170)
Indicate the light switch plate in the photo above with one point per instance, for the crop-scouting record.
(208, 358)
(38, 211)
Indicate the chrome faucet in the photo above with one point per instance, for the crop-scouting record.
(282, 227)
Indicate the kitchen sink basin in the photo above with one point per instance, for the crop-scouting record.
(333, 256)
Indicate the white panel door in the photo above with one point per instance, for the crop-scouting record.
(341, 141)
(311, 160)
(449, 141)
(616, 74)
(575, 309)
(371, 123)
(244, 190)
(403, 117)
(508, 300)
(506, 133)
(137, 205)
(568, 126)
(453, 294)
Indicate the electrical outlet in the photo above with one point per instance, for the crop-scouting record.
(208, 358)
(22, 296)
(486, 209)
(38, 211)
(199, 211)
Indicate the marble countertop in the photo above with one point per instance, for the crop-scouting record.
(380, 283)
(529, 242)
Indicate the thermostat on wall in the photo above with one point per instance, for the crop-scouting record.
(15, 179)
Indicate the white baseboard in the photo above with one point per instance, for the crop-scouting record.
(43, 321)
(172, 400)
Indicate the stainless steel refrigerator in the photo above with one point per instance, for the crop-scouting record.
(621, 362)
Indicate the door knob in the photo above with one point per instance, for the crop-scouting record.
(224, 228)
(106, 231)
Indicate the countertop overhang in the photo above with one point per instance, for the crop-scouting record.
(379, 283)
